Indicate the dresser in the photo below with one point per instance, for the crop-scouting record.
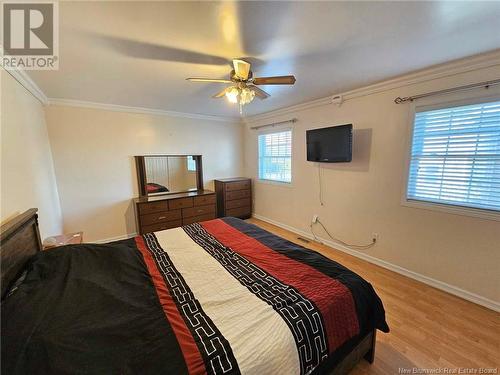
(155, 213)
(234, 197)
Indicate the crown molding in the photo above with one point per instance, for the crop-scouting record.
(464, 65)
(139, 110)
(448, 69)
(24, 80)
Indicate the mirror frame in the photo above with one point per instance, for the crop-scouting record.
(141, 173)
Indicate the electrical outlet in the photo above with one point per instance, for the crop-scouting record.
(374, 237)
(314, 219)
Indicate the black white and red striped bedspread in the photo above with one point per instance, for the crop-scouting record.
(218, 297)
(244, 300)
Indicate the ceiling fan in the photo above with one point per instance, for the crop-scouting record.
(243, 87)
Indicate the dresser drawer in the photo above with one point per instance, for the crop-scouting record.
(242, 212)
(239, 185)
(197, 211)
(196, 219)
(161, 226)
(175, 204)
(245, 202)
(158, 217)
(238, 194)
(147, 208)
(204, 200)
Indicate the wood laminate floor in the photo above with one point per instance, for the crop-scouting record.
(430, 329)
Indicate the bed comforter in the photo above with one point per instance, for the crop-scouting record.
(217, 297)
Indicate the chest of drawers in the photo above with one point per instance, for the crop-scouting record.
(234, 197)
(169, 211)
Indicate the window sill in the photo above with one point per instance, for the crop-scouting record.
(455, 210)
(275, 183)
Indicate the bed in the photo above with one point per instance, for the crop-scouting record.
(152, 187)
(217, 297)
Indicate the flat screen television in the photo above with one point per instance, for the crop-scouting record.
(330, 145)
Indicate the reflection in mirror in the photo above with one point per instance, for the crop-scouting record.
(169, 174)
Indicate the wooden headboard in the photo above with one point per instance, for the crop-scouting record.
(19, 241)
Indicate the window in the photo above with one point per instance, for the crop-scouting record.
(455, 156)
(191, 164)
(275, 156)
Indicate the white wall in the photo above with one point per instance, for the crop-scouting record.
(93, 157)
(364, 196)
(27, 173)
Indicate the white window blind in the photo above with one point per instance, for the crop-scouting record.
(275, 156)
(455, 156)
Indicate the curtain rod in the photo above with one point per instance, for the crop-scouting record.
(275, 123)
(486, 85)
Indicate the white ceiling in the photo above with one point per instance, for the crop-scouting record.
(139, 53)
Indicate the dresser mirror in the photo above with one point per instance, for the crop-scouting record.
(168, 174)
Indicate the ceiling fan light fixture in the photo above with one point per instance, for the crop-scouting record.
(241, 95)
(232, 94)
(244, 86)
(246, 95)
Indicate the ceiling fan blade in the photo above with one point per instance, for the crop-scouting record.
(153, 51)
(280, 80)
(259, 92)
(220, 94)
(212, 80)
(241, 69)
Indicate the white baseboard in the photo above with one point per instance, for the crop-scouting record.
(469, 296)
(118, 238)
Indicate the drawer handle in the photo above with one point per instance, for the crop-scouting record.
(199, 211)
(162, 217)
